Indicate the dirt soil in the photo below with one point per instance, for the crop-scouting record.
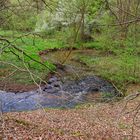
(14, 87)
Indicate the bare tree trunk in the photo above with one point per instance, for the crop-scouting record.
(3, 8)
(124, 12)
(82, 26)
(39, 4)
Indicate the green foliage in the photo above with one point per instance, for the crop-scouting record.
(118, 59)
(18, 17)
(93, 45)
(119, 69)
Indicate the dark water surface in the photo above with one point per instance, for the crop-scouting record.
(57, 94)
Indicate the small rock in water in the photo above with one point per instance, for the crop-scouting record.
(52, 91)
(93, 89)
(52, 80)
(57, 84)
(47, 87)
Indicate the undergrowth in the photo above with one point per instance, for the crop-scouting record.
(116, 63)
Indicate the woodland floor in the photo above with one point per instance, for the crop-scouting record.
(101, 121)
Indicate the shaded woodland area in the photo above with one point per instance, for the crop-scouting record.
(49, 48)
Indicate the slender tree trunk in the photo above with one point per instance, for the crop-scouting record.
(82, 26)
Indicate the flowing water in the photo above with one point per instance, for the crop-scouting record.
(75, 86)
(58, 94)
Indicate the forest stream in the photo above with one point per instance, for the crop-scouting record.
(75, 86)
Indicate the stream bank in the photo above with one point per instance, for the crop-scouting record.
(76, 84)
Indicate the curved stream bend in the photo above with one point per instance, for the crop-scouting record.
(58, 94)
